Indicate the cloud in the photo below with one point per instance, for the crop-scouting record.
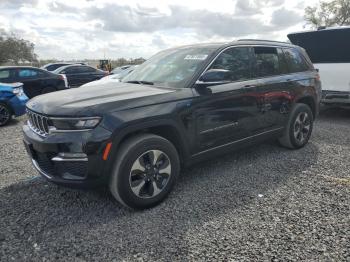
(85, 29)
(117, 18)
(17, 3)
(252, 7)
(285, 18)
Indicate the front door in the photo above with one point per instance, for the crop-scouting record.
(227, 111)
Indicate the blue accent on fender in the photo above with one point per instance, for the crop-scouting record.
(17, 103)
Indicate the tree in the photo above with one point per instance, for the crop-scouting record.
(15, 49)
(334, 13)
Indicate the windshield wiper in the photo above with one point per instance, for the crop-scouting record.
(140, 82)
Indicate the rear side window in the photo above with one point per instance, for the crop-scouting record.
(4, 74)
(71, 70)
(267, 61)
(295, 61)
(237, 61)
(86, 69)
(24, 73)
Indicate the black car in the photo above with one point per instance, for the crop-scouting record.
(53, 66)
(181, 106)
(78, 75)
(35, 81)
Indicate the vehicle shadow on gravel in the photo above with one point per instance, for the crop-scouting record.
(335, 113)
(37, 215)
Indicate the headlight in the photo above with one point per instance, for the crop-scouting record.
(74, 123)
(18, 91)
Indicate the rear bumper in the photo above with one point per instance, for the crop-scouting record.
(18, 104)
(335, 97)
(72, 159)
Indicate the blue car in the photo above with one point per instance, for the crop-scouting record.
(12, 102)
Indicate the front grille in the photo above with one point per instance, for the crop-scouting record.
(39, 124)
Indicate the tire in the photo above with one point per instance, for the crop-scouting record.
(5, 114)
(299, 127)
(137, 187)
(48, 89)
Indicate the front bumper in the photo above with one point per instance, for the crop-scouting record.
(70, 159)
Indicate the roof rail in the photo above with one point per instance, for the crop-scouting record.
(261, 40)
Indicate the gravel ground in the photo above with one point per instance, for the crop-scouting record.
(263, 203)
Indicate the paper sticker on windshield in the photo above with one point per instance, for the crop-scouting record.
(196, 57)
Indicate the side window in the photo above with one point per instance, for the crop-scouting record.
(4, 74)
(25, 73)
(71, 70)
(295, 61)
(237, 61)
(86, 69)
(267, 61)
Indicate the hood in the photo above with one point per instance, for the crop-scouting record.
(93, 100)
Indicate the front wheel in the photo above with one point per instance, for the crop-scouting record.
(5, 114)
(145, 171)
(299, 127)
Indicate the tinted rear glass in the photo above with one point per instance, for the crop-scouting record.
(267, 61)
(295, 61)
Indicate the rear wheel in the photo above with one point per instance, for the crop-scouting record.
(5, 114)
(145, 171)
(299, 127)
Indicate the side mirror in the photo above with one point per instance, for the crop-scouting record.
(215, 76)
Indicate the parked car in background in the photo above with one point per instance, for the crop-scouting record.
(35, 81)
(12, 102)
(181, 106)
(115, 78)
(117, 70)
(328, 49)
(53, 66)
(78, 75)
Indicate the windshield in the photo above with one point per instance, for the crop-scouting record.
(173, 68)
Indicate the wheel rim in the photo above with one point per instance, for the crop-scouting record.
(4, 115)
(302, 127)
(150, 174)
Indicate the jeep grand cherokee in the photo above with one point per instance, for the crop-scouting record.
(181, 106)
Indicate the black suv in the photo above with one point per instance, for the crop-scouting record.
(179, 107)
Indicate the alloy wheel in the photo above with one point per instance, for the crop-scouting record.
(150, 174)
(302, 126)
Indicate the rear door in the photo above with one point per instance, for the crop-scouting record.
(73, 76)
(88, 74)
(32, 84)
(273, 91)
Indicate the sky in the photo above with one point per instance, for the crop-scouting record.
(94, 29)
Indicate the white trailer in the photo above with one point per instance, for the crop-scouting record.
(329, 50)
